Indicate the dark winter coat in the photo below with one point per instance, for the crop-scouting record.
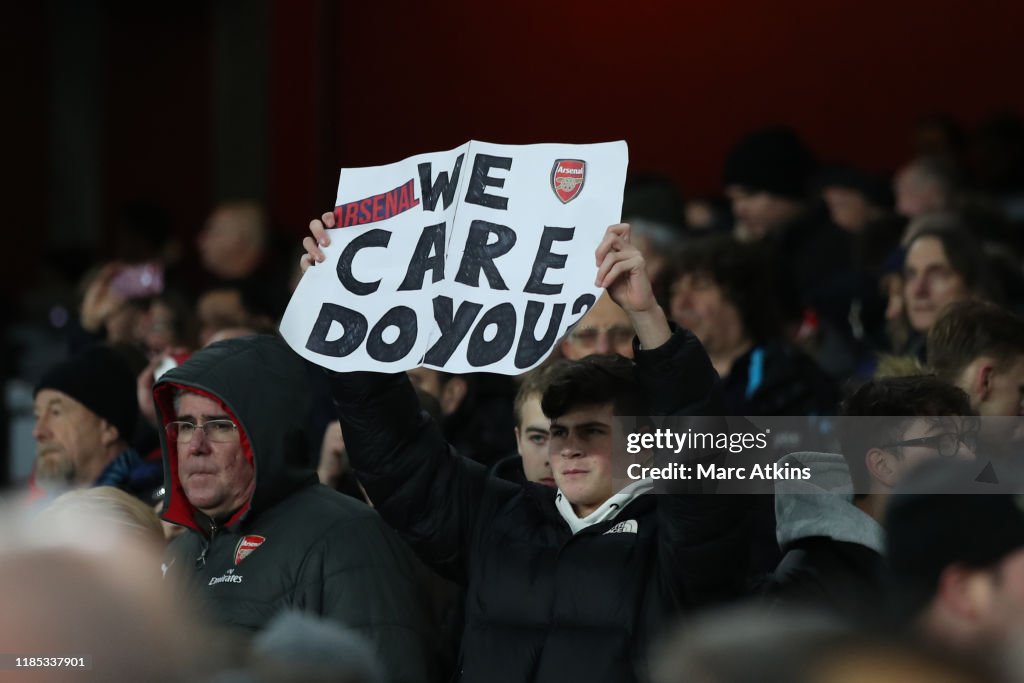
(776, 378)
(832, 550)
(543, 604)
(296, 544)
(847, 579)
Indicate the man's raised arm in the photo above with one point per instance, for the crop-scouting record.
(703, 537)
(415, 480)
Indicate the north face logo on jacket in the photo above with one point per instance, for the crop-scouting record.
(628, 527)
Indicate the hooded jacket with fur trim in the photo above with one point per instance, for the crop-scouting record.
(295, 544)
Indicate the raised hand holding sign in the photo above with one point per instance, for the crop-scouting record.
(476, 259)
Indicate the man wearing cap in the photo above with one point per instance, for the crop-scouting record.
(86, 411)
(766, 178)
(956, 557)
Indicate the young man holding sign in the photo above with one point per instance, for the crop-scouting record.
(569, 584)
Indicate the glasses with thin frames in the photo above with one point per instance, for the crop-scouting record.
(589, 336)
(947, 444)
(218, 431)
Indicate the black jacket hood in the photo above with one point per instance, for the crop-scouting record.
(261, 383)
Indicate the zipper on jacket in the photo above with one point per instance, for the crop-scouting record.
(201, 560)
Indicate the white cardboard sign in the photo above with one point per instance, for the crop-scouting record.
(478, 259)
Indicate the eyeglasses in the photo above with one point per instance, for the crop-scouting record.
(219, 431)
(589, 336)
(947, 444)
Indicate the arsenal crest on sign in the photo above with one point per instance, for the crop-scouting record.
(567, 177)
(246, 546)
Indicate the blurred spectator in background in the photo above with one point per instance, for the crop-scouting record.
(105, 510)
(108, 312)
(232, 244)
(849, 312)
(167, 323)
(942, 265)
(226, 312)
(880, 659)
(979, 347)
(130, 305)
(749, 645)
(105, 603)
(928, 184)
(854, 198)
(956, 553)
(237, 248)
(653, 205)
(141, 300)
(708, 648)
(854, 305)
(116, 296)
(475, 410)
(299, 648)
(830, 527)
(333, 460)
(722, 291)
(708, 215)
(86, 414)
(334, 470)
(449, 390)
(768, 177)
(605, 328)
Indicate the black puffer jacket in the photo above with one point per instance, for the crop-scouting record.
(296, 544)
(543, 604)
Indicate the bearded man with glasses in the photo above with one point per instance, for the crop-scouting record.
(263, 535)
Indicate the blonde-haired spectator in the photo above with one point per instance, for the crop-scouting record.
(103, 514)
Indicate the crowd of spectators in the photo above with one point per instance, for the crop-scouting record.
(232, 513)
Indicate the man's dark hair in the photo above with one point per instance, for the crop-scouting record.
(744, 273)
(592, 381)
(970, 329)
(892, 403)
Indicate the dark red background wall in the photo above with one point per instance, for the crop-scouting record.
(680, 81)
(358, 83)
(158, 110)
